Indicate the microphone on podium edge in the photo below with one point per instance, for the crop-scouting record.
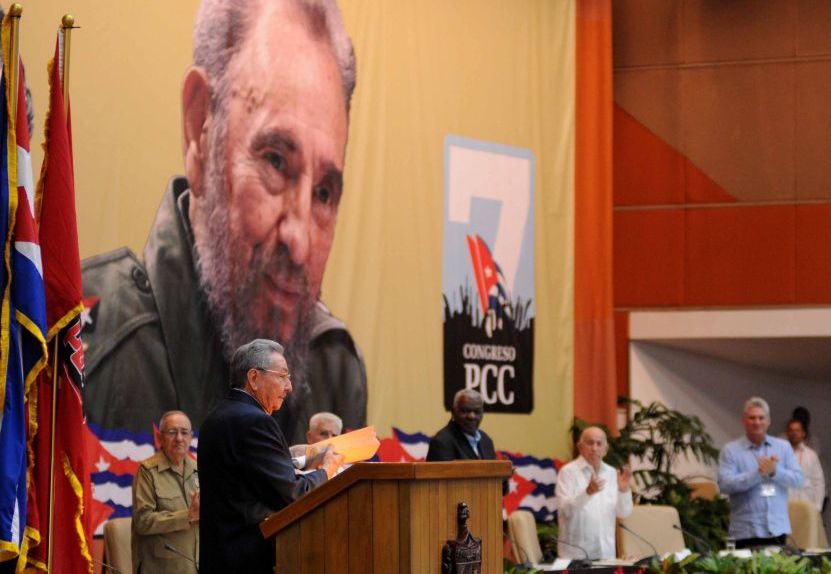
(647, 559)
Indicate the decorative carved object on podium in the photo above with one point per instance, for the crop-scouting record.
(464, 554)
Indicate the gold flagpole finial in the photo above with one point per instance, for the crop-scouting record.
(16, 10)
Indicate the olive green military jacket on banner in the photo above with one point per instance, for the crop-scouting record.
(151, 345)
(161, 497)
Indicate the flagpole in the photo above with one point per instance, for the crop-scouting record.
(67, 23)
(52, 453)
(66, 28)
(15, 12)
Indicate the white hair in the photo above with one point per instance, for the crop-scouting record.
(222, 26)
(759, 403)
(323, 417)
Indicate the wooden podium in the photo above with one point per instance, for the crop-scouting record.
(390, 517)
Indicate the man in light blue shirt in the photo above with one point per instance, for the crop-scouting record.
(756, 472)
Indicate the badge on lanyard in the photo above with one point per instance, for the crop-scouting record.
(768, 489)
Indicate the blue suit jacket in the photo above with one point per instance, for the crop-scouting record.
(245, 474)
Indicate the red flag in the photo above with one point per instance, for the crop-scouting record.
(62, 279)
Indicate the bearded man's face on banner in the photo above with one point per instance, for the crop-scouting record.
(273, 181)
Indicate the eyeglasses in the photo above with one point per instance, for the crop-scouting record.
(173, 432)
(284, 374)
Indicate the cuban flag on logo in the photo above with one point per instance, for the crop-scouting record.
(490, 283)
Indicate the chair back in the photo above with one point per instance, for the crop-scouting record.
(807, 529)
(655, 524)
(704, 488)
(118, 552)
(522, 529)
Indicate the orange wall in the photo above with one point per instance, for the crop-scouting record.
(722, 184)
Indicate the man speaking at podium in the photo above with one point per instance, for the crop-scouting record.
(245, 467)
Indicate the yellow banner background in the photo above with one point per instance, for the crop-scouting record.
(486, 69)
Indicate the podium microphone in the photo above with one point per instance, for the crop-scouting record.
(701, 541)
(646, 559)
(577, 562)
(175, 550)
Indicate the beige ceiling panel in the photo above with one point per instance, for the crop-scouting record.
(653, 97)
(813, 130)
(814, 24)
(739, 128)
(646, 32)
(731, 30)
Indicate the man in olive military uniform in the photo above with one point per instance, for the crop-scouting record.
(238, 248)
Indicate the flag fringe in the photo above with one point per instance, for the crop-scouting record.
(79, 526)
(30, 534)
(45, 147)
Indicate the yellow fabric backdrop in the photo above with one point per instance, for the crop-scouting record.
(486, 69)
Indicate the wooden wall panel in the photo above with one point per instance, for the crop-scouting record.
(360, 529)
(649, 249)
(385, 526)
(813, 130)
(647, 170)
(312, 542)
(405, 524)
(419, 492)
(813, 22)
(336, 515)
(715, 31)
(813, 265)
(288, 556)
(741, 256)
(654, 35)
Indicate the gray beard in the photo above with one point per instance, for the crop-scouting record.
(229, 289)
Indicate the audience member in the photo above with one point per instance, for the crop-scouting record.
(756, 471)
(461, 438)
(323, 426)
(166, 503)
(247, 472)
(813, 488)
(590, 495)
(803, 415)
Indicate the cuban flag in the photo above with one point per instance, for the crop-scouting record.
(22, 320)
(490, 283)
(531, 487)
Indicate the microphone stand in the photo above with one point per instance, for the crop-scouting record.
(787, 549)
(175, 550)
(108, 566)
(647, 559)
(697, 539)
(577, 562)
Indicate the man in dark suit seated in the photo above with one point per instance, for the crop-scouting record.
(462, 439)
(245, 467)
